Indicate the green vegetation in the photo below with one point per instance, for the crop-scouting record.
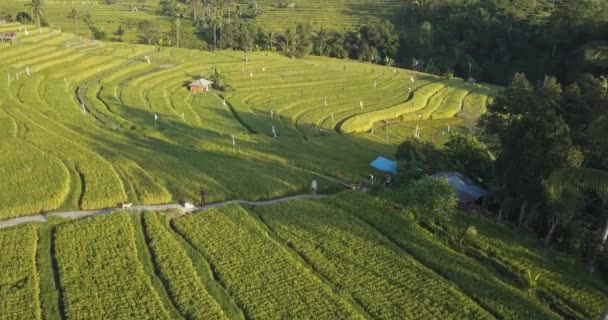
(89, 115)
(19, 282)
(385, 280)
(178, 273)
(108, 269)
(351, 255)
(266, 280)
(90, 124)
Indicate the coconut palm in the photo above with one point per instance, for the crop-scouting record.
(179, 14)
(75, 16)
(37, 8)
(320, 38)
(194, 8)
(269, 40)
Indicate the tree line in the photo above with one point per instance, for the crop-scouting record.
(544, 159)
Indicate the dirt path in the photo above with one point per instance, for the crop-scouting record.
(83, 214)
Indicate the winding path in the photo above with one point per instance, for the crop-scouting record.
(84, 214)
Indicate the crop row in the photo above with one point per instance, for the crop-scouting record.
(476, 281)
(100, 273)
(178, 272)
(388, 283)
(264, 278)
(19, 291)
(563, 279)
(418, 101)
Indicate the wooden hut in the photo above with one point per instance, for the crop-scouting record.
(201, 85)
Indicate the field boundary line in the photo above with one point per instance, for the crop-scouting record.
(80, 214)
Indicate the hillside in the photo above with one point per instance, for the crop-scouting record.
(341, 15)
(88, 109)
(349, 256)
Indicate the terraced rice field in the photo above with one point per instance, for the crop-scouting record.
(341, 15)
(105, 17)
(88, 109)
(349, 256)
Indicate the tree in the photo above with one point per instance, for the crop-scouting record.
(87, 19)
(424, 153)
(469, 156)
(178, 13)
(120, 31)
(23, 18)
(319, 40)
(220, 79)
(166, 8)
(532, 149)
(148, 30)
(562, 212)
(37, 8)
(587, 179)
(430, 199)
(195, 5)
(75, 16)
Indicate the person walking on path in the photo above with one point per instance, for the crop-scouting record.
(202, 192)
(313, 186)
(371, 177)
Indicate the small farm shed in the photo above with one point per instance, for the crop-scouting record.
(385, 165)
(201, 85)
(467, 190)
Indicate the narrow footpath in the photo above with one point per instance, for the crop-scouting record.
(84, 214)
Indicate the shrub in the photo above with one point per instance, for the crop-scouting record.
(431, 199)
(23, 17)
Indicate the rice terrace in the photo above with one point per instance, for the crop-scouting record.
(302, 160)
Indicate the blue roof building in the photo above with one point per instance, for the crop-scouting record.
(467, 190)
(385, 165)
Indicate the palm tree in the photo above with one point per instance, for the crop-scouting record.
(586, 179)
(219, 78)
(320, 37)
(179, 14)
(194, 6)
(37, 9)
(269, 40)
(75, 16)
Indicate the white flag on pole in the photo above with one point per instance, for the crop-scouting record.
(325, 100)
(361, 104)
(271, 114)
(224, 102)
(233, 141)
(449, 129)
(274, 132)
(155, 117)
(84, 110)
(183, 118)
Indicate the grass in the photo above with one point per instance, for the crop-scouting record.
(49, 290)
